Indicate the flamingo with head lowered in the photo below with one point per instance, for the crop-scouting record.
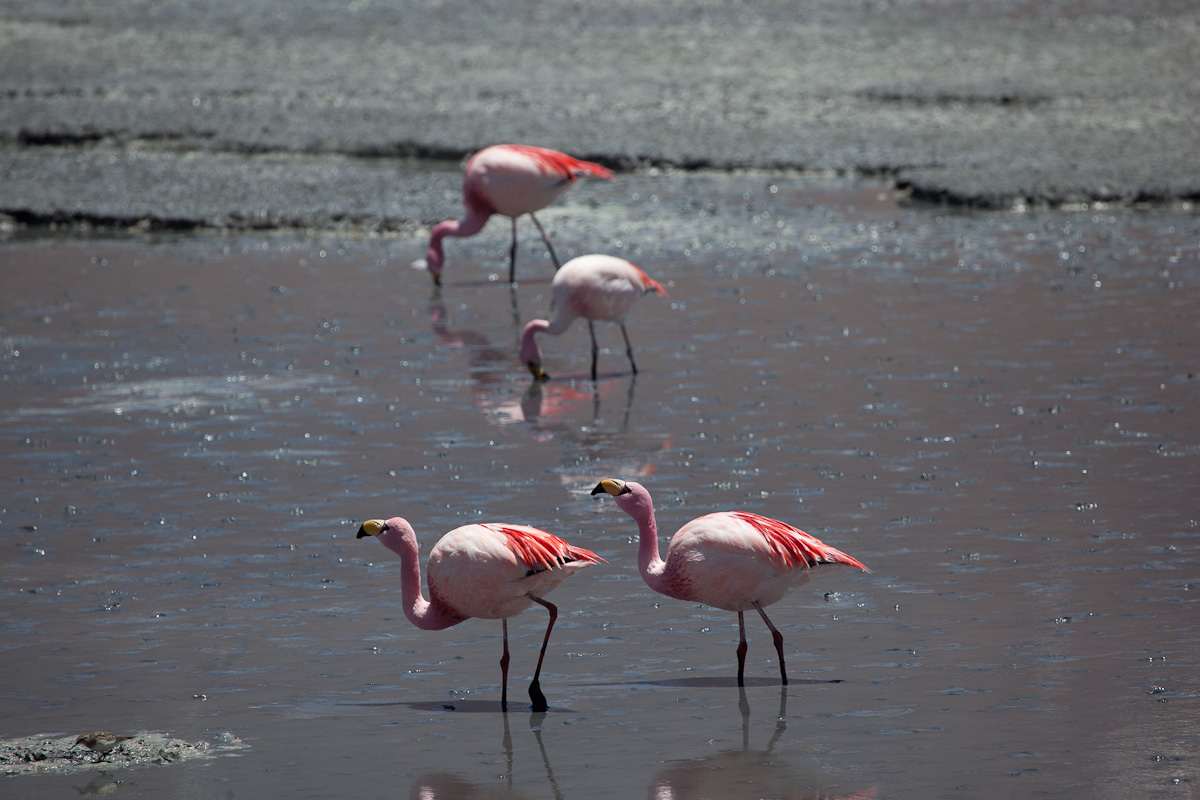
(510, 180)
(732, 560)
(595, 287)
(487, 571)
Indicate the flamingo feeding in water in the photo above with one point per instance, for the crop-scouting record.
(510, 180)
(487, 571)
(593, 287)
(732, 560)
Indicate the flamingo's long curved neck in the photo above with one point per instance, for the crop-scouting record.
(469, 225)
(420, 612)
(530, 351)
(638, 505)
(564, 315)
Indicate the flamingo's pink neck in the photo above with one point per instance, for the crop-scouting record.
(637, 504)
(531, 351)
(564, 315)
(420, 612)
(469, 225)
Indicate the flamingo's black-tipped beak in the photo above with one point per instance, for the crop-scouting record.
(613, 486)
(372, 527)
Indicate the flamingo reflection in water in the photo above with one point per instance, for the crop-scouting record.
(546, 407)
(749, 773)
(590, 420)
(452, 786)
(732, 773)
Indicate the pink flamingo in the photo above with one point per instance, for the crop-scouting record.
(593, 287)
(732, 560)
(488, 571)
(511, 180)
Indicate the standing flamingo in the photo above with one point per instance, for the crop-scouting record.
(487, 571)
(511, 180)
(593, 287)
(732, 560)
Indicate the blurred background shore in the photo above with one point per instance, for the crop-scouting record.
(330, 115)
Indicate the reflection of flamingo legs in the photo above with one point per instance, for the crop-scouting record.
(780, 720)
(535, 723)
(507, 743)
(729, 773)
(451, 786)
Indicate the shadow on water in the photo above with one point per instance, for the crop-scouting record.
(726, 683)
(456, 706)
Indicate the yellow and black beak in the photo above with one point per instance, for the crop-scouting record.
(538, 373)
(372, 527)
(613, 486)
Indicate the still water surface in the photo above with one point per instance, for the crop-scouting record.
(996, 413)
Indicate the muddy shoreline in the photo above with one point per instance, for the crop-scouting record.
(312, 116)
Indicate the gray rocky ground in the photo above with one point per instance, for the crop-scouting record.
(331, 115)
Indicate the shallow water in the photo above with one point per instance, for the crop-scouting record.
(996, 413)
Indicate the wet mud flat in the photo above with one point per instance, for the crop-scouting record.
(995, 412)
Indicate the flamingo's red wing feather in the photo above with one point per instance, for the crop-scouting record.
(794, 547)
(541, 550)
(567, 166)
(648, 283)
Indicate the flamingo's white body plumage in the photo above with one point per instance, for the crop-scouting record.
(593, 287)
(732, 560)
(510, 180)
(488, 571)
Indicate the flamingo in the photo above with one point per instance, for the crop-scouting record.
(732, 560)
(511, 180)
(487, 571)
(593, 287)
